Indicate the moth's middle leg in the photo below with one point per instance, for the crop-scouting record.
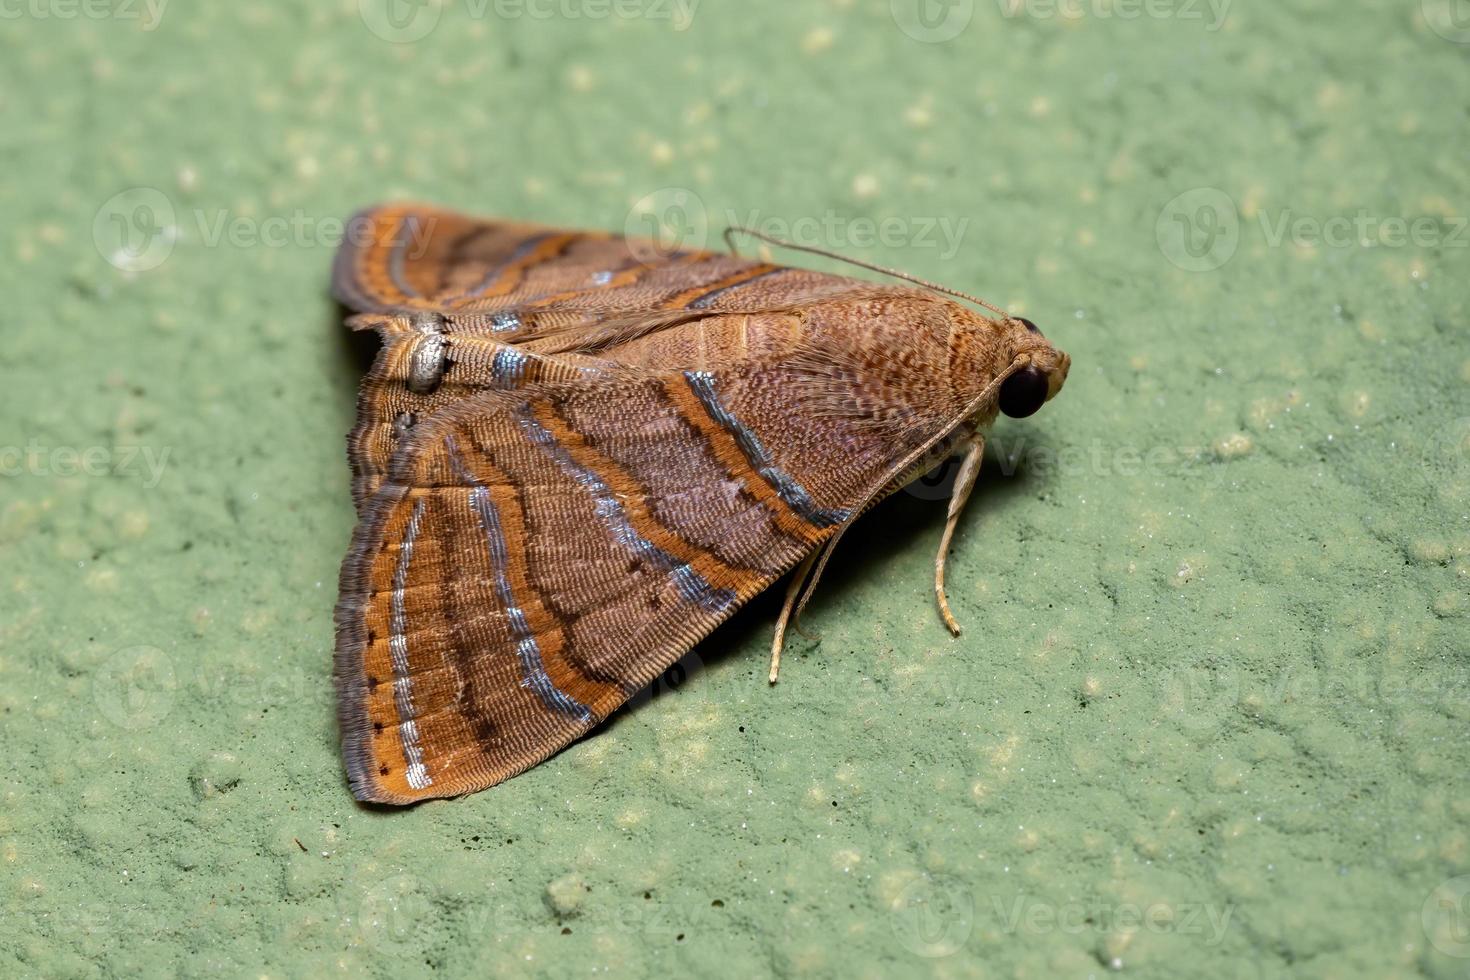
(963, 484)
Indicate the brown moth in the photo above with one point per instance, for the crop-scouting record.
(575, 455)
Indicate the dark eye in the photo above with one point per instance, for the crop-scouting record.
(1023, 392)
(1029, 325)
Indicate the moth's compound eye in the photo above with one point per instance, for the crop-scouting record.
(1029, 325)
(1023, 392)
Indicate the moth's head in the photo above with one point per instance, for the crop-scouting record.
(1041, 371)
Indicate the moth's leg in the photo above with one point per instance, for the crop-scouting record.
(792, 591)
(963, 484)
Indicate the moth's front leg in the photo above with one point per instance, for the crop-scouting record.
(969, 470)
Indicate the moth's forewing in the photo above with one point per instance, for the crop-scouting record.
(536, 557)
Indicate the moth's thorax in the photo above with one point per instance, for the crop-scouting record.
(917, 342)
(942, 353)
(979, 352)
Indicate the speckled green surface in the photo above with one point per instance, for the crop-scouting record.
(1212, 713)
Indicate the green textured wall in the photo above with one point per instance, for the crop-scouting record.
(1212, 713)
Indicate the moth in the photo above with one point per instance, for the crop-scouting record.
(577, 453)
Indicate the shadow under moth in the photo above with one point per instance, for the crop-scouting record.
(577, 453)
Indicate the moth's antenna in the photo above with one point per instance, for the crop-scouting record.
(731, 232)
